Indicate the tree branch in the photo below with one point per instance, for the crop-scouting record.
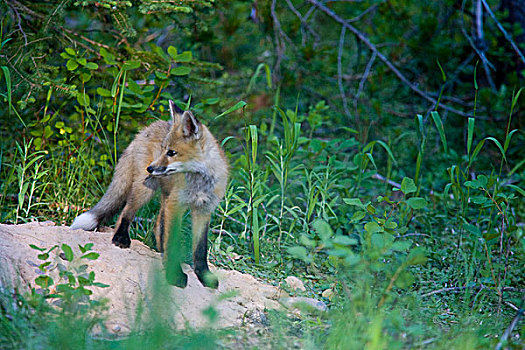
(505, 34)
(340, 72)
(385, 60)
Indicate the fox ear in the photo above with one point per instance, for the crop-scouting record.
(175, 112)
(191, 127)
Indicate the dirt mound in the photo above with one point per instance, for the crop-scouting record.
(129, 274)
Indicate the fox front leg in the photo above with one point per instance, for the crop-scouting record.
(200, 226)
(169, 242)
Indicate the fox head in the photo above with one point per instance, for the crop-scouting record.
(180, 150)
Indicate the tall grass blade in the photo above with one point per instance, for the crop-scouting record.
(254, 142)
(439, 125)
(498, 144)
(507, 140)
(7, 76)
(256, 74)
(233, 108)
(476, 151)
(470, 134)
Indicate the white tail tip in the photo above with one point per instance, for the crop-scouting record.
(86, 221)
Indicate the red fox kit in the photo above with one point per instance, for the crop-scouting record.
(184, 161)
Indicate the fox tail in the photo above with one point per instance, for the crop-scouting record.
(112, 201)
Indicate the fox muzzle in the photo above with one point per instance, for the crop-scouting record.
(160, 170)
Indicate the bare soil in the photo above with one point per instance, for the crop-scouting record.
(135, 280)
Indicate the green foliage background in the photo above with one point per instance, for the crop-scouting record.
(383, 163)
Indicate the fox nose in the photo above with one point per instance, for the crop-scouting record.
(149, 169)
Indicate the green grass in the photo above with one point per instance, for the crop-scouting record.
(435, 262)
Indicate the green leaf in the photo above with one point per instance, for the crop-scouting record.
(515, 99)
(476, 151)
(181, 70)
(37, 248)
(307, 242)
(353, 201)
(70, 51)
(323, 229)
(507, 140)
(161, 75)
(388, 150)
(380, 240)
(85, 77)
(186, 56)
(408, 186)
(108, 57)
(48, 132)
(44, 281)
(390, 224)
(416, 202)
(233, 108)
(417, 256)
(172, 51)
(443, 75)
(88, 246)
(298, 252)
(498, 144)
(373, 227)
(358, 215)
(256, 74)
(100, 285)
(401, 246)
(441, 130)
(103, 92)
(130, 65)
(90, 256)
(91, 65)
(71, 65)
(404, 280)
(83, 99)
(43, 256)
(517, 189)
(345, 240)
(254, 137)
(68, 252)
(4, 42)
(472, 229)
(470, 134)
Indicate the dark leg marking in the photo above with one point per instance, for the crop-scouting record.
(162, 230)
(121, 238)
(200, 261)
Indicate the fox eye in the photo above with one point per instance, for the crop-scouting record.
(171, 153)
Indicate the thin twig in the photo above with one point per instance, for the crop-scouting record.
(459, 289)
(385, 60)
(365, 75)
(384, 179)
(362, 14)
(505, 34)
(303, 21)
(19, 24)
(479, 25)
(512, 325)
(340, 73)
(413, 234)
(479, 50)
(279, 43)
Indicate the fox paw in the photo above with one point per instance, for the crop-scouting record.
(177, 279)
(121, 242)
(208, 279)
